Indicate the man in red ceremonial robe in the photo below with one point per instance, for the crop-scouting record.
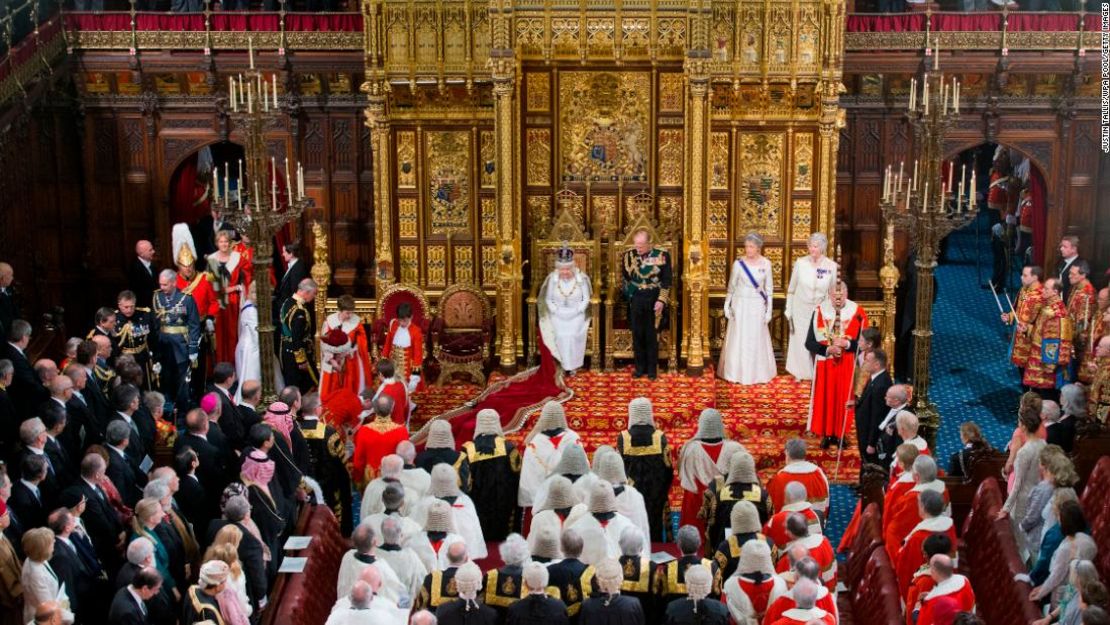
(390, 386)
(833, 339)
(375, 440)
(922, 581)
(1051, 348)
(1083, 311)
(948, 584)
(1030, 299)
(346, 357)
(805, 610)
(804, 567)
(796, 502)
(800, 470)
(816, 545)
(404, 345)
(904, 514)
(701, 460)
(930, 506)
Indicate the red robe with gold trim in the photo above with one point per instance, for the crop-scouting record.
(355, 373)
(399, 392)
(833, 378)
(1083, 312)
(1030, 299)
(373, 441)
(904, 516)
(780, 604)
(920, 586)
(956, 587)
(892, 493)
(1051, 346)
(911, 557)
(408, 359)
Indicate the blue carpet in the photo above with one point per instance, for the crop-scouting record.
(972, 379)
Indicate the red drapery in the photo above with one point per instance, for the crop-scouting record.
(906, 22)
(98, 21)
(29, 47)
(512, 399)
(185, 191)
(1040, 212)
(324, 22)
(987, 21)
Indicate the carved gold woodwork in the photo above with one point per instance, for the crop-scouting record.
(406, 160)
(410, 264)
(670, 157)
(538, 157)
(489, 265)
(605, 125)
(447, 163)
(463, 263)
(716, 220)
(671, 86)
(761, 166)
(489, 218)
(539, 214)
(487, 153)
(802, 220)
(719, 173)
(436, 265)
(537, 89)
(803, 162)
(407, 218)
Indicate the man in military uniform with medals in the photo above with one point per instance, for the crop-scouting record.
(178, 338)
(646, 272)
(197, 286)
(298, 351)
(135, 328)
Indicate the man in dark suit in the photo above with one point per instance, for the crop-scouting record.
(25, 389)
(9, 301)
(100, 518)
(129, 606)
(78, 413)
(142, 276)
(85, 583)
(53, 418)
(897, 400)
(871, 406)
(64, 435)
(191, 497)
(97, 402)
(236, 512)
(9, 421)
(123, 470)
(27, 496)
(250, 396)
(295, 271)
(1069, 253)
(126, 399)
(212, 470)
(223, 380)
(33, 434)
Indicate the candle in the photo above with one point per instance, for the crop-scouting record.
(914, 174)
(960, 195)
(231, 93)
(241, 98)
(257, 195)
(227, 176)
(216, 185)
(925, 198)
(951, 167)
(973, 189)
(300, 181)
(250, 100)
(240, 184)
(886, 183)
(274, 77)
(925, 95)
(944, 99)
(250, 49)
(957, 104)
(265, 97)
(913, 92)
(273, 176)
(288, 180)
(936, 54)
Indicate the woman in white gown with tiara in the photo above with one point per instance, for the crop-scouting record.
(748, 356)
(564, 300)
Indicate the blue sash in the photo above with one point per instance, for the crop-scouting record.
(751, 279)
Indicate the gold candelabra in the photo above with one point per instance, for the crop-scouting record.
(927, 206)
(262, 205)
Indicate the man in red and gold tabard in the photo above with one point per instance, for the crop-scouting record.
(1029, 300)
(833, 339)
(1051, 348)
(196, 286)
(949, 584)
(404, 345)
(374, 440)
(1083, 312)
(1098, 400)
(930, 507)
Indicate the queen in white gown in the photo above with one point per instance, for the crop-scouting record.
(810, 281)
(748, 356)
(248, 359)
(563, 300)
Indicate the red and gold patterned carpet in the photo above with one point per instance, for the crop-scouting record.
(762, 417)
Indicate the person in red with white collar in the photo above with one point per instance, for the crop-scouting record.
(930, 507)
(948, 584)
(798, 469)
(922, 581)
(817, 545)
(796, 501)
(394, 388)
(804, 567)
(404, 345)
(805, 610)
(904, 515)
(747, 593)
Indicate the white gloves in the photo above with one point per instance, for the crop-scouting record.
(414, 381)
(156, 368)
(728, 309)
(210, 325)
(193, 359)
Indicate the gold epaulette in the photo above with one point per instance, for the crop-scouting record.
(316, 433)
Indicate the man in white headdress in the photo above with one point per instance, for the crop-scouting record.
(702, 460)
(574, 466)
(543, 449)
(609, 467)
(559, 508)
(563, 301)
(445, 487)
(601, 528)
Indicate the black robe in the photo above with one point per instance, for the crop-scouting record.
(648, 464)
(670, 578)
(721, 498)
(267, 515)
(457, 459)
(494, 470)
(637, 584)
(457, 612)
(198, 606)
(328, 465)
(709, 612)
(573, 578)
(438, 588)
(538, 610)
(727, 556)
(502, 588)
(615, 610)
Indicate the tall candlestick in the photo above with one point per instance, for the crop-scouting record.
(914, 174)
(925, 198)
(227, 177)
(973, 189)
(250, 49)
(925, 96)
(300, 181)
(231, 94)
(951, 167)
(216, 185)
(913, 92)
(274, 78)
(288, 180)
(265, 97)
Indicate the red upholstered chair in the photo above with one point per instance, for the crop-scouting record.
(307, 598)
(462, 332)
(874, 599)
(868, 539)
(1096, 494)
(393, 296)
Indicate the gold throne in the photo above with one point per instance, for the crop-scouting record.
(618, 336)
(566, 230)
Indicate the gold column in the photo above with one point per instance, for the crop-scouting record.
(696, 278)
(510, 278)
(376, 88)
(321, 273)
(832, 115)
(889, 276)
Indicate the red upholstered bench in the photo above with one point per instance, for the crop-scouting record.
(868, 538)
(307, 598)
(874, 599)
(1096, 494)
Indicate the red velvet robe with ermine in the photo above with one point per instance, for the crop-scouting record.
(911, 556)
(905, 515)
(957, 587)
(833, 378)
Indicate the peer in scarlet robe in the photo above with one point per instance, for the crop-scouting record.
(957, 587)
(920, 585)
(833, 339)
(805, 473)
(1051, 349)
(228, 283)
(349, 366)
(404, 345)
(911, 556)
(780, 602)
(820, 550)
(701, 461)
(904, 516)
(748, 595)
(1083, 312)
(775, 528)
(374, 441)
(1030, 299)
(798, 616)
(393, 387)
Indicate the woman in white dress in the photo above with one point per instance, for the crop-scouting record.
(748, 357)
(810, 281)
(248, 361)
(563, 300)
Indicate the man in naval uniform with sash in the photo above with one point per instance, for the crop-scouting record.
(647, 287)
(135, 330)
(178, 338)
